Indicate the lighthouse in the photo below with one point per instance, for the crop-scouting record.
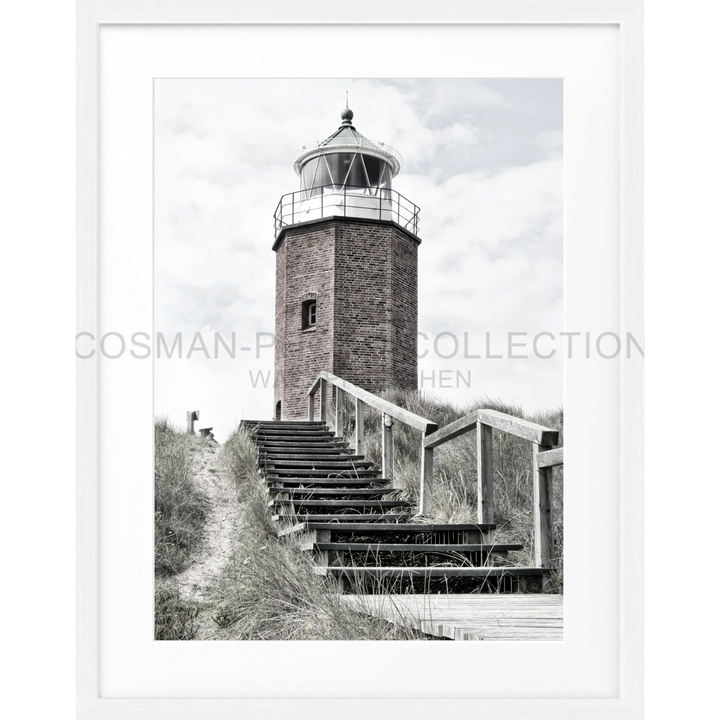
(346, 248)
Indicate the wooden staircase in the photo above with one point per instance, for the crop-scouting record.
(361, 530)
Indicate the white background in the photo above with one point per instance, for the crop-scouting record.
(131, 663)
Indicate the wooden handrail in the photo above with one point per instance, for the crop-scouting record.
(550, 458)
(501, 421)
(394, 411)
(545, 457)
(389, 412)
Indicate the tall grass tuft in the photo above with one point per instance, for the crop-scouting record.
(175, 618)
(180, 507)
(268, 590)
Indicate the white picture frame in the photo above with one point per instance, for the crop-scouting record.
(627, 16)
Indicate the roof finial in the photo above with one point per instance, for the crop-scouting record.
(347, 114)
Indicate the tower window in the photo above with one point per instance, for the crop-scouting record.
(309, 314)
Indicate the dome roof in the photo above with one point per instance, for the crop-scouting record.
(347, 139)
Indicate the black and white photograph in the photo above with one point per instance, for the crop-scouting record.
(359, 352)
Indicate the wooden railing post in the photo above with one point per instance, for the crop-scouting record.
(387, 446)
(311, 407)
(542, 504)
(426, 478)
(359, 427)
(339, 412)
(323, 400)
(486, 510)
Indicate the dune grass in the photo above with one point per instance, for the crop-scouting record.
(180, 511)
(175, 618)
(180, 507)
(268, 590)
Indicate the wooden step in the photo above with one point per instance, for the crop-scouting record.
(295, 441)
(431, 580)
(390, 518)
(433, 530)
(292, 432)
(428, 572)
(409, 554)
(377, 548)
(298, 429)
(326, 481)
(285, 423)
(328, 451)
(321, 454)
(331, 492)
(314, 438)
(350, 504)
(303, 446)
(324, 457)
(339, 464)
(322, 473)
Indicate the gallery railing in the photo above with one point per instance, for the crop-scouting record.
(351, 201)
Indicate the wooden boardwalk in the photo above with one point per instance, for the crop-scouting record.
(537, 617)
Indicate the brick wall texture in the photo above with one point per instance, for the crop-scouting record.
(363, 276)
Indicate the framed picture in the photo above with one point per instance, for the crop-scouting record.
(120, 51)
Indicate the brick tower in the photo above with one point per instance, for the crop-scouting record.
(346, 294)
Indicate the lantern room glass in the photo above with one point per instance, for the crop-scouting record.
(353, 172)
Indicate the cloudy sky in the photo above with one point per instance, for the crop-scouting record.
(482, 159)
